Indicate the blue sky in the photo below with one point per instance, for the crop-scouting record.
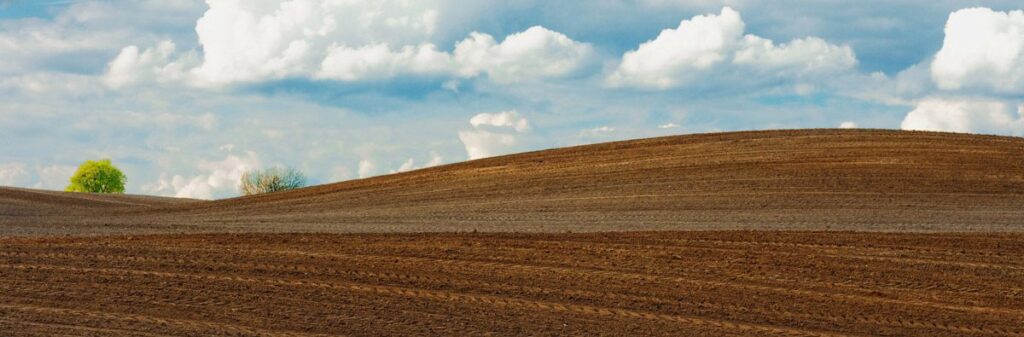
(185, 95)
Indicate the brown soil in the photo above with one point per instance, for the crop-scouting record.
(613, 284)
(792, 179)
(147, 266)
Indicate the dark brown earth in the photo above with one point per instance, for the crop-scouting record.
(736, 283)
(805, 179)
(888, 234)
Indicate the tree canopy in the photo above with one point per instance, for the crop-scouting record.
(271, 180)
(98, 176)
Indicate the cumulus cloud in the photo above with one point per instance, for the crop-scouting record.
(965, 115)
(218, 179)
(509, 119)
(410, 164)
(799, 57)
(534, 53)
(54, 177)
(152, 64)
(493, 134)
(262, 39)
(248, 41)
(367, 168)
(706, 43)
(14, 174)
(848, 125)
(696, 45)
(982, 49)
(379, 61)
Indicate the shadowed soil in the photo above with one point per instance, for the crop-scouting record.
(613, 284)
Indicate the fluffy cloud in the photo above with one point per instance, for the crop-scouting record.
(982, 49)
(379, 61)
(218, 179)
(848, 125)
(534, 53)
(493, 134)
(247, 41)
(509, 119)
(367, 168)
(53, 177)
(14, 174)
(410, 164)
(262, 39)
(153, 64)
(965, 115)
(799, 57)
(696, 45)
(707, 42)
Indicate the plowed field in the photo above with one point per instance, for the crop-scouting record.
(791, 179)
(665, 284)
(888, 234)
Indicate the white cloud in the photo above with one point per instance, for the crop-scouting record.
(153, 64)
(14, 174)
(598, 131)
(261, 39)
(798, 57)
(696, 45)
(668, 126)
(705, 46)
(493, 134)
(848, 125)
(367, 168)
(54, 177)
(983, 48)
(410, 164)
(435, 159)
(218, 179)
(483, 144)
(965, 115)
(246, 41)
(534, 53)
(529, 55)
(509, 119)
(379, 61)
(341, 173)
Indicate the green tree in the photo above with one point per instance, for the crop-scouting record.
(271, 180)
(97, 177)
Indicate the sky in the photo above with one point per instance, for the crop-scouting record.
(184, 96)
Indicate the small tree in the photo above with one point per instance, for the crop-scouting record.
(271, 180)
(97, 177)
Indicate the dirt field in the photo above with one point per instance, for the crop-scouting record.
(805, 179)
(599, 240)
(663, 283)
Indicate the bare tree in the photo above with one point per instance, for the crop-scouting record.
(271, 180)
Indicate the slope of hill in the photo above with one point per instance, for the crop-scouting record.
(787, 179)
(669, 282)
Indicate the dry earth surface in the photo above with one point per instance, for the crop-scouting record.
(899, 234)
(792, 179)
(737, 283)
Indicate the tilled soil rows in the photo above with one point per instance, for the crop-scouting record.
(876, 180)
(757, 283)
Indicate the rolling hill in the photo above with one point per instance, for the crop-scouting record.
(788, 179)
(645, 266)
